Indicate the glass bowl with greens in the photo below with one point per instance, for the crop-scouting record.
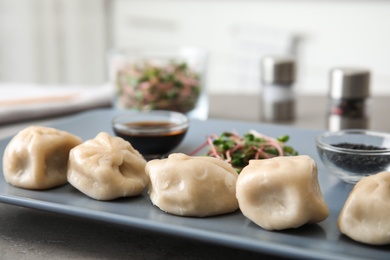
(161, 79)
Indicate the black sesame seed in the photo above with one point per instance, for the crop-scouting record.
(363, 164)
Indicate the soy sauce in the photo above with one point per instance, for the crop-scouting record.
(152, 138)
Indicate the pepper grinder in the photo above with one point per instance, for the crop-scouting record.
(348, 94)
(277, 95)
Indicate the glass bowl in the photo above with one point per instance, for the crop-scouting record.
(354, 154)
(153, 133)
(161, 78)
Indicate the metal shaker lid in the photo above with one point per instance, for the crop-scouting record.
(349, 83)
(278, 70)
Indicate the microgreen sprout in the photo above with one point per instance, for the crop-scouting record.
(238, 150)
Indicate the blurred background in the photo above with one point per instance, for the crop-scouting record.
(67, 41)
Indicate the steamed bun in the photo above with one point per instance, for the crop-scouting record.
(365, 216)
(281, 193)
(37, 157)
(106, 168)
(192, 186)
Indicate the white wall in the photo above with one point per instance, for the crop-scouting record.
(64, 41)
(333, 33)
(53, 41)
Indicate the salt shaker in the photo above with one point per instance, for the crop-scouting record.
(277, 95)
(349, 91)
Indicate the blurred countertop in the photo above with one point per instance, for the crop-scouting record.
(310, 112)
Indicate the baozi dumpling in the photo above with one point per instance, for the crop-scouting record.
(365, 216)
(106, 168)
(37, 157)
(192, 186)
(281, 193)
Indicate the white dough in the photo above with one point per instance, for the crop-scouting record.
(106, 168)
(192, 186)
(365, 216)
(281, 193)
(37, 157)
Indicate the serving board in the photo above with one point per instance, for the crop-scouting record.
(315, 241)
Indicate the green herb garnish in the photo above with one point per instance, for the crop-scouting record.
(238, 150)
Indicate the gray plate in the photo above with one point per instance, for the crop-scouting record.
(322, 241)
